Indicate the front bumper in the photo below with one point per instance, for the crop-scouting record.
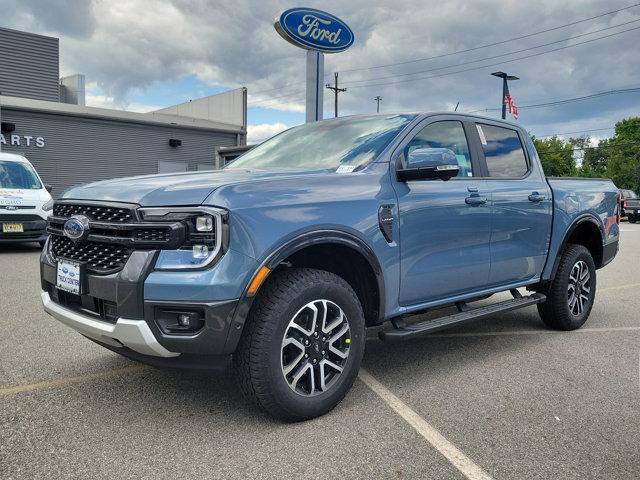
(133, 334)
(113, 310)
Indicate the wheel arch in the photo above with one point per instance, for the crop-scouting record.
(325, 250)
(586, 231)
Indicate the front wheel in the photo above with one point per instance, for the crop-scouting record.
(303, 344)
(571, 293)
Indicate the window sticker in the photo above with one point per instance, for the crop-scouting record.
(483, 139)
(346, 168)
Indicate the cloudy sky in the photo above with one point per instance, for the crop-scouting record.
(145, 54)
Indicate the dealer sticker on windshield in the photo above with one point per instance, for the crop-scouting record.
(68, 278)
(346, 168)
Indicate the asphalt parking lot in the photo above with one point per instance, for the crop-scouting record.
(503, 398)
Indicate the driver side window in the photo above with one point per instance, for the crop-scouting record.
(445, 134)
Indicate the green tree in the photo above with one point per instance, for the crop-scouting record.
(623, 166)
(556, 156)
(596, 159)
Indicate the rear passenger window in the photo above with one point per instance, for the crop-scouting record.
(444, 134)
(503, 152)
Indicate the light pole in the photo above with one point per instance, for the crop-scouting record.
(378, 99)
(505, 89)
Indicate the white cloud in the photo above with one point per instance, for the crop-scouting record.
(263, 131)
(102, 101)
(126, 46)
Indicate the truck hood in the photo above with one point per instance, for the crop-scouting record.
(177, 189)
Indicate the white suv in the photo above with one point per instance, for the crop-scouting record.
(25, 202)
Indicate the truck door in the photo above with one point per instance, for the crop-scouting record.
(445, 226)
(521, 205)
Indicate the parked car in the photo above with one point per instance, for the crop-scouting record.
(25, 202)
(283, 258)
(630, 207)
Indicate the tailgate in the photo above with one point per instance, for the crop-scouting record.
(633, 203)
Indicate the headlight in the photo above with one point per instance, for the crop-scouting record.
(48, 206)
(205, 236)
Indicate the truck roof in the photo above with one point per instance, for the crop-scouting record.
(426, 114)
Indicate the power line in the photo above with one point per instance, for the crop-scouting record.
(577, 131)
(497, 63)
(492, 44)
(494, 56)
(257, 102)
(567, 100)
(459, 51)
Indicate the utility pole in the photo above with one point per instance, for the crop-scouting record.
(378, 99)
(505, 89)
(336, 90)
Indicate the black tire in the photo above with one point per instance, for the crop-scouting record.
(632, 219)
(556, 312)
(259, 360)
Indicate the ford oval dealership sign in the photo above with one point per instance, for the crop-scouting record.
(314, 30)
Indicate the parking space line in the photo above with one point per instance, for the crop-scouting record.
(452, 453)
(618, 287)
(61, 382)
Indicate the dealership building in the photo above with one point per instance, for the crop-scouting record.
(44, 118)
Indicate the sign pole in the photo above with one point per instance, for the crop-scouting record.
(315, 87)
(318, 33)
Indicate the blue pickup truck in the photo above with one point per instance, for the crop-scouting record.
(279, 262)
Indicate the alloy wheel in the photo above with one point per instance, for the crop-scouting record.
(579, 288)
(315, 347)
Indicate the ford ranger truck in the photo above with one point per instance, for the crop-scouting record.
(281, 260)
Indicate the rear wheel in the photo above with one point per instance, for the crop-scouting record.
(571, 293)
(303, 344)
(632, 218)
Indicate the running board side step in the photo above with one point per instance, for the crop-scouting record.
(403, 332)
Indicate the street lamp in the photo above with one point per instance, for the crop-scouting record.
(505, 89)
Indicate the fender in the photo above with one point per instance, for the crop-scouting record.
(290, 247)
(587, 217)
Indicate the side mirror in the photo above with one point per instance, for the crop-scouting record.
(423, 163)
(48, 187)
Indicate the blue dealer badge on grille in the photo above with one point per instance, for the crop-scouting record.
(314, 30)
(77, 228)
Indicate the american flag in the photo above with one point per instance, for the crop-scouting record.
(513, 109)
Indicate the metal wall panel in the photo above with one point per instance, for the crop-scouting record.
(79, 149)
(29, 65)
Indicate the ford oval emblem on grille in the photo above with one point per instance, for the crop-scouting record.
(77, 228)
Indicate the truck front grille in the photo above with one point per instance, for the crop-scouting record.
(95, 212)
(99, 257)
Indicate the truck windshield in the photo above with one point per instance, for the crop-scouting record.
(18, 175)
(629, 194)
(344, 142)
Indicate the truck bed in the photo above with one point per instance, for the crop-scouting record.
(575, 197)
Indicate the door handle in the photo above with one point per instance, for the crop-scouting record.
(536, 197)
(472, 189)
(475, 200)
